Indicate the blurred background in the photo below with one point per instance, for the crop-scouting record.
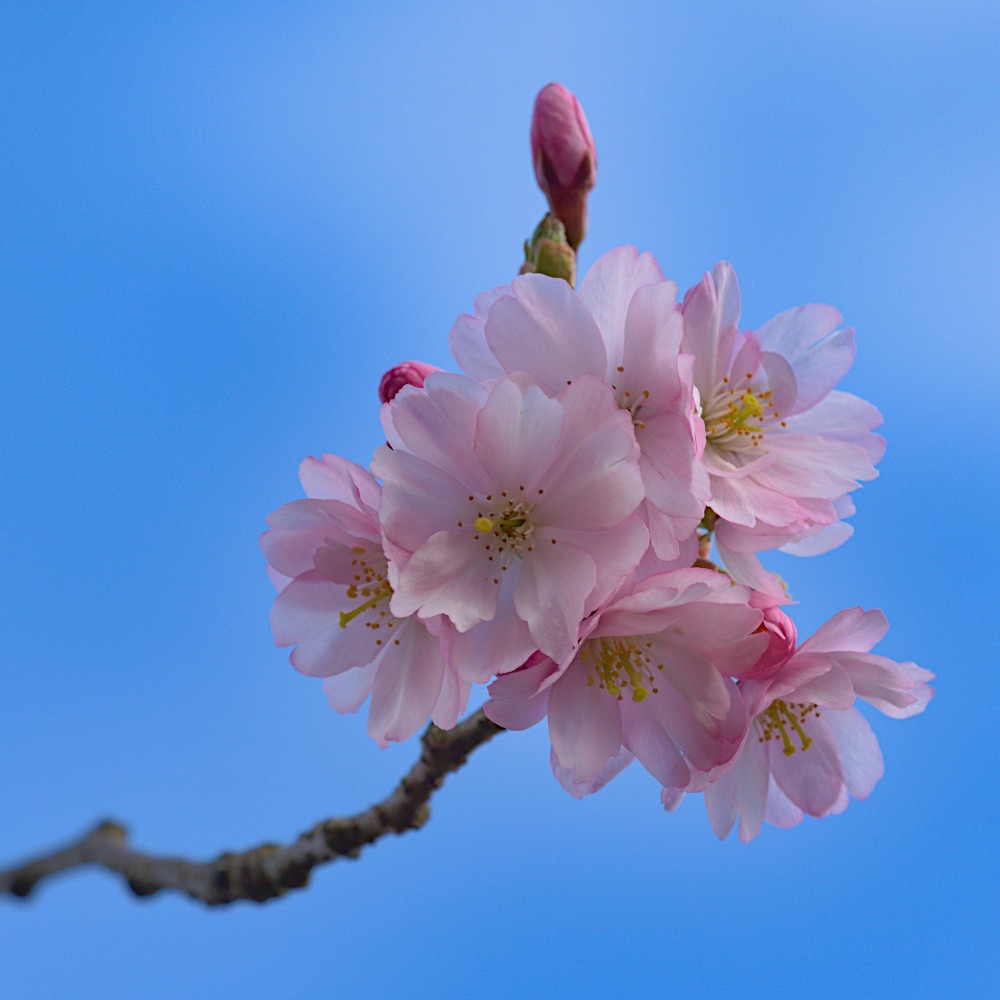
(219, 224)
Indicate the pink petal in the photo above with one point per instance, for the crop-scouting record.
(518, 433)
(468, 338)
(860, 756)
(307, 612)
(452, 700)
(746, 568)
(418, 500)
(851, 630)
(447, 575)
(711, 312)
(747, 359)
(832, 689)
(780, 380)
(301, 527)
(609, 288)
(810, 466)
(595, 483)
(845, 417)
(780, 810)
(495, 646)
(900, 690)
(745, 501)
(347, 692)
(819, 357)
(555, 583)
(811, 778)
(671, 798)
(650, 736)
(692, 731)
(818, 540)
(584, 725)
(438, 424)
(544, 329)
(611, 769)
(615, 552)
(520, 699)
(335, 478)
(407, 685)
(651, 343)
(740, 791)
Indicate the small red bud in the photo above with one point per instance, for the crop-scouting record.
(407, 373)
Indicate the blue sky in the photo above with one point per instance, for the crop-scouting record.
(219, 224)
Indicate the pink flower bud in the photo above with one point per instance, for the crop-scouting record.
(564, 157)
(782, 634)
(407, 373)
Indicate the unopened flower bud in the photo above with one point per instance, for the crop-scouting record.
(782, 634)
(564, 157)
(407, 373)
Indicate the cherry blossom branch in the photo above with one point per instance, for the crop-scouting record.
(270, 870)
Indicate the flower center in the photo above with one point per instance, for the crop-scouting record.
(503, 526)
(371, 588)
(737, 415)
(775, 722)
(620, 666)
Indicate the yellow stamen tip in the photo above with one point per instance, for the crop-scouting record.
(483, 524)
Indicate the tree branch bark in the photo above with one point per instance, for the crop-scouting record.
(270, 870)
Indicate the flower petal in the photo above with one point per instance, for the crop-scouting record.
(555, 583)
(520, 699)
(811, 778)
(609, 288)
(860, 757)
(819, 357)
(849, 630)
(612, 768)
(347, 692)
(407, 685)
(649, 736)
(546, 330)
(518, 434)
(446, 576)
(584, 725)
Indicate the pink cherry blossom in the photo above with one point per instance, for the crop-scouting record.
(564, 157)
(622, 326)
(327, 555)
(783, 448)
(808, 749)
(506, 506)
(650, 678)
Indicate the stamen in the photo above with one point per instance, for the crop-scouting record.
(773, 720)
(621, 664)
(349, 616)
(609, 683)
(382, 591)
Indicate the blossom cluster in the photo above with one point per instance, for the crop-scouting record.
(544, 523)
